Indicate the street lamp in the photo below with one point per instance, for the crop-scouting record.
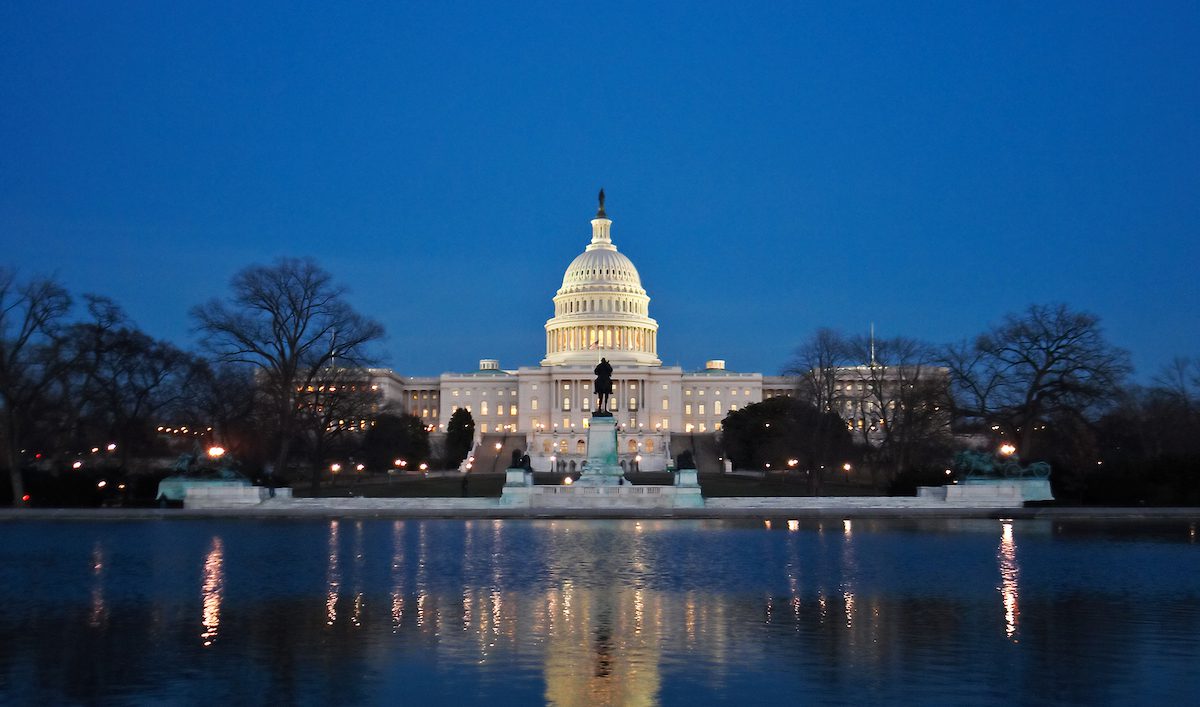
(216, 452)
(846, 467)
(1007, 449)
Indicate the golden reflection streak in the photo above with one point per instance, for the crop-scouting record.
(333, 576)
(1007, 556)
(849, 567)
(99, 611)
(397, 574)
(211, 590)
(356, 617)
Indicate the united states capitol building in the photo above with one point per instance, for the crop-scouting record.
(600, 310)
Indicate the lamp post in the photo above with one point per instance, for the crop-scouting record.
(496, 461)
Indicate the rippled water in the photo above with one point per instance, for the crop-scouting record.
(599, 612)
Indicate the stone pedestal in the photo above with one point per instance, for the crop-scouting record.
(602, 468)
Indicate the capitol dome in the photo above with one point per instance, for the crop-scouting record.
(601, 308)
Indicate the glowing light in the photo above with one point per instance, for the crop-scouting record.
(77, 465)
(335, 468)
(423, 466)
(112, 447)
(568, 481)
(400, 463)
(25, 498)
(360, 467)
(1008, 450)
(793, 525)
(101, 484)
(216, 452)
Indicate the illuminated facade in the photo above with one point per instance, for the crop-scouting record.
(601, 309)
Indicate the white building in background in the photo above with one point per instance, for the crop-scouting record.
(600, 310)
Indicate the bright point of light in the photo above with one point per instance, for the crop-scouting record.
(216, 452)
(568, 481)
(335, 468)
(399, 462)
(360, 467)
(498, 445)
(95, 449)
(947, 472)
(424, 466)
(1007, 450)
(112, 447)
(77, 465)
(101, 484)
(846, 466)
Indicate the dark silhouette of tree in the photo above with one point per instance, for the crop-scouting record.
(290, 321)
(335, 412)
(781, 429)
(225, 397)
(33, 356)
(124, 377)
(1049, 362)
(393, 437)
(460, 435)
(815, 366)
(907, 396)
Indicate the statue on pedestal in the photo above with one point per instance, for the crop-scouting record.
(604, 387)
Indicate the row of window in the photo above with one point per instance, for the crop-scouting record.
(622, 306)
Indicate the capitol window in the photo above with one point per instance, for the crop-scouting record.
(512, 410)
(687, 409)
(533, 404)
(483, 409)
(666, 404)
(633, 404)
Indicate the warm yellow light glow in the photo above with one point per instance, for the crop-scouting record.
(568, 481)
(112, 447)
(360, 467)
(846, 466)
(77, 465)
(216, 452)
(1007, 449)
(335, 467)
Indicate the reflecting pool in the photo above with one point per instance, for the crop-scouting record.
(599, 612)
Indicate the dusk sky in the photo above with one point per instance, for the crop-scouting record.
(770, 168)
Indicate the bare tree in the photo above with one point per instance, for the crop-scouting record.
(290, 321)
(906, 399)
(31, 358)
(1049, 362)
(816, 365)
(340, 404)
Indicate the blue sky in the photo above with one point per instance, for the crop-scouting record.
(770, 167)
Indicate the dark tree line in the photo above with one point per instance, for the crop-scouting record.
(1045, 380)
(278, 381)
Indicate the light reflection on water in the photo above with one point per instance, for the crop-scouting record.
(210, 591)
(1007, 555)
(599, 612)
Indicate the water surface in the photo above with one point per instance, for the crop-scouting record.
(599, 612)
